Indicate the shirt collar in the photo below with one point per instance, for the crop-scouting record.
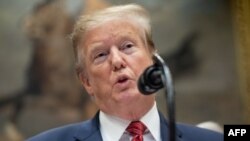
(152, 121)
(112, 128)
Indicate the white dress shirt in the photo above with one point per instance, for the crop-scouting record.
(114, 128)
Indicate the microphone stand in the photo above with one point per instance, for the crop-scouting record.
(169, 94)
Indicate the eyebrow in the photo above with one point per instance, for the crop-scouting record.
(98, 45)
(125, 38)
(95, 46)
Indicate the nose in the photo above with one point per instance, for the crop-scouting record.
(117, 60)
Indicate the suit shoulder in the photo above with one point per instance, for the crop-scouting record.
(62, 133)
(195, 133)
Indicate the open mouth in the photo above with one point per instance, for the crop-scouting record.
(122, 80)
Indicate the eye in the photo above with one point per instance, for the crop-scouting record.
(127, 47)
(100, 56)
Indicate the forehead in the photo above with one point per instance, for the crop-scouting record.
(111, 31)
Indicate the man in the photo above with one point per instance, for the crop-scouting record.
(112, 48)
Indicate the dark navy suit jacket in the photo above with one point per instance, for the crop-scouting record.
(90, 131)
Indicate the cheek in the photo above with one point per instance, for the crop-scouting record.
(101, 71)
(145, 59)
(99, 77)
(141, 63)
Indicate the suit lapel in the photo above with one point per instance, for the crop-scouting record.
(89, 131)
(165, 130)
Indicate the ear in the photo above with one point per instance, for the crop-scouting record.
(86, 84)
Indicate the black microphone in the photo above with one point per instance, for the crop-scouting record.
(151, 80)
(155, 77)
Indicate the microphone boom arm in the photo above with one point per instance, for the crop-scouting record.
(169, 94)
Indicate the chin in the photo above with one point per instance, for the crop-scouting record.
(127, 96)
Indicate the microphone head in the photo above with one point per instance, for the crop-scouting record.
(150, 81)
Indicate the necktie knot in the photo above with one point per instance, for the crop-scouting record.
(136, 129)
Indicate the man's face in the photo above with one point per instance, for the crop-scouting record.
(115, 56)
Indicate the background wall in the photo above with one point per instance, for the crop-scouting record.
(241, 16)
(205, 76)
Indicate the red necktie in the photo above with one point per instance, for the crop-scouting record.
(136, 129)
